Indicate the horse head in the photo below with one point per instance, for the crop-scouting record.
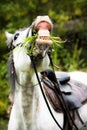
(41, 27)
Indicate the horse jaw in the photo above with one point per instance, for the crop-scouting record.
(22, 61)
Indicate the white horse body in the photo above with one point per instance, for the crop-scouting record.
(81, 77)
(29, 105)
(29, 111)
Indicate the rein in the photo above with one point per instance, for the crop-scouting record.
(61, 98)
(59, 95)
(43, 93)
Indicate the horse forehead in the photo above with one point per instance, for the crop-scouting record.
(21, 31)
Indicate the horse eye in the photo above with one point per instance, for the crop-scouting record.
(16, 36)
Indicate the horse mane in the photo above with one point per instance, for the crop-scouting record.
(11, 72)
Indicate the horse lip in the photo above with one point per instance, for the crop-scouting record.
(40, 51)
(44, 41)
(43, 47)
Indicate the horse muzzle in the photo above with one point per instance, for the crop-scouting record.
(43, 29)
(43, 41)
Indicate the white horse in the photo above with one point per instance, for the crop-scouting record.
(29, 110)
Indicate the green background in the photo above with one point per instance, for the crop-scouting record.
(70, 23)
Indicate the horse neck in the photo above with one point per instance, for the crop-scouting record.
(26, 78)
(25, 84)
(26, 92)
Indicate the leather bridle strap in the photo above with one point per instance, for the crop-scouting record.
(60, 97)
(30, 29)
(44, 94)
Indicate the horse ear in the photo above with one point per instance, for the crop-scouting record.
(8, 36)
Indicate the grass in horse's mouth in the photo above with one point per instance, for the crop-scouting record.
(37, 49)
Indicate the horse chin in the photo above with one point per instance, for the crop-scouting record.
(40, 50)
(40, 53)
(38, 58)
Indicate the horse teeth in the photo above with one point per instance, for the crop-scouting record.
(44, 41)
(43, 33)
(44, 37)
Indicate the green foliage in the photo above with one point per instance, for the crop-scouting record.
(4, 89)
(3, 124)
(73, 60)
(70, 23)
(56, 41)
(68, 60)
